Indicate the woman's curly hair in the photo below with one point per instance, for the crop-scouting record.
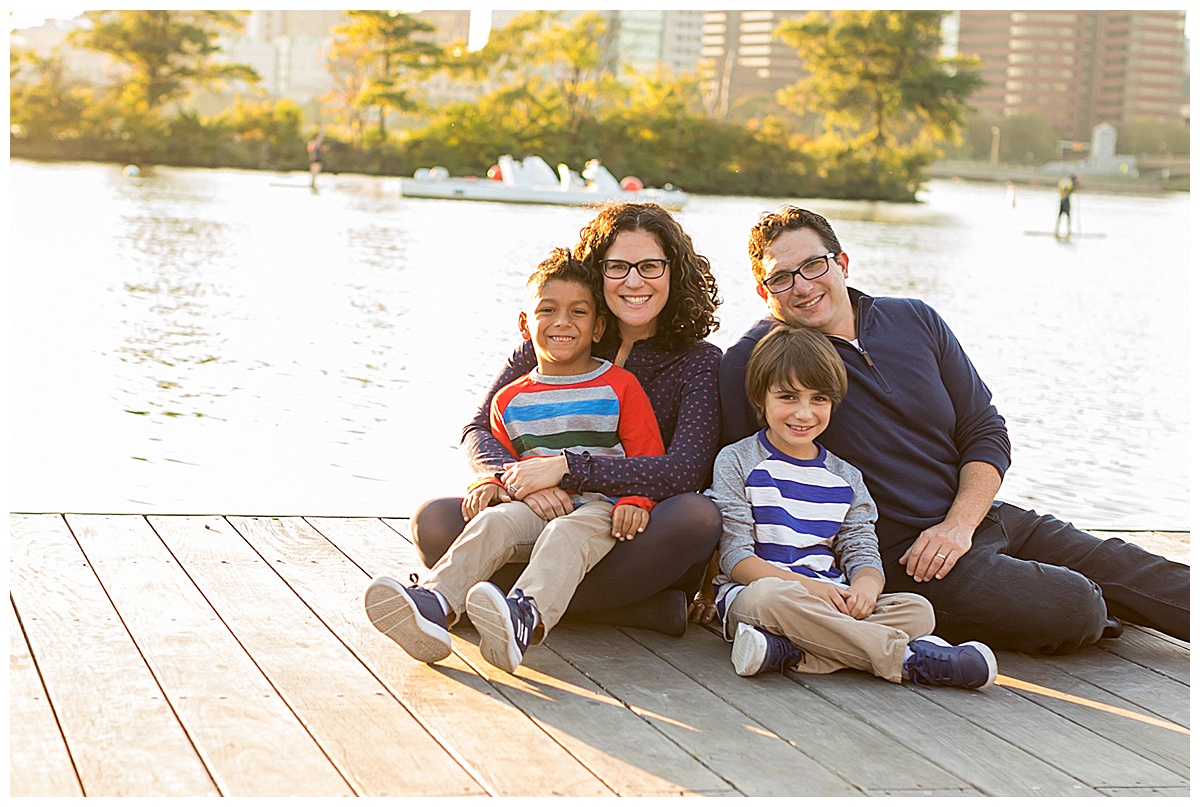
(690, 312)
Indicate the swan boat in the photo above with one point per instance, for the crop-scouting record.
(532, 181)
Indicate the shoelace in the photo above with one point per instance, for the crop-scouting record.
(931, 665)
(526, 616)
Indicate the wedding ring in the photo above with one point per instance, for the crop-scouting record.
(511, 491)
(939, 555)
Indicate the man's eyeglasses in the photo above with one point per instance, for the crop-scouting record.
(648, 269)
(780, 282)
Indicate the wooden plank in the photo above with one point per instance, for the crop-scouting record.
(1167, 748)
(123, 736)
(1095, 760)
(989, 763)
(371, 739)
(1150, 650)
(250, 741)
(38, 761)
(751, 757)
(616, 744)
(505, 751)
(1152, 692)
(845, 745)
(1131, 792)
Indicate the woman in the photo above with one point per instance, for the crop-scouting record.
(661, 316)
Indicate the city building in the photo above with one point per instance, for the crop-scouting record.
(1079, 68)
(748, 63)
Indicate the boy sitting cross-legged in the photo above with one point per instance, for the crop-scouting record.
(571, 401)
(801, 579)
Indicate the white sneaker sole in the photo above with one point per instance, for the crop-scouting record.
(395, 615)
(490, 614)
(990, 658)
(749, 651)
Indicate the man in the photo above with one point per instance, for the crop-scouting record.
(1065, 188)
(919, 423)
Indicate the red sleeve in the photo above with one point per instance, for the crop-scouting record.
(637, 428)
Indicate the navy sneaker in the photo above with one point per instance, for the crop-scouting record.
(755, 651)
(505, 624)
(936, 662)
(412, 617)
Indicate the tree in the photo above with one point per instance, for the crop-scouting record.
(876, 77)
(44, 103)
(166, 52)
(375, 59)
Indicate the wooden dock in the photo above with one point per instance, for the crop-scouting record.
(224, 655)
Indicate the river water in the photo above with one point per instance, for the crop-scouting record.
(218, 341)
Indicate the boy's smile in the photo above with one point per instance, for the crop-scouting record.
(796, 416)
(563, 324)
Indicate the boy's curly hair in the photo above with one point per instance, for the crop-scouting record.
(690, 312)
(561, 266)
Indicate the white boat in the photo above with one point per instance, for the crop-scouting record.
(532, 181)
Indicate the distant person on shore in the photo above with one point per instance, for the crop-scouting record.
(661, 299)
(571, 401)
(316, 156)
(919, 423)
(1065, 188)
(801, 579)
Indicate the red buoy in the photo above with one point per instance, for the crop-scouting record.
(494, 173)
(631, 184)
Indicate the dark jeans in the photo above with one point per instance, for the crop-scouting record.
(673, 552)
(1037, 584)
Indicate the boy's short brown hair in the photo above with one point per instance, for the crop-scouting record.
(560, 266)
(788, 356)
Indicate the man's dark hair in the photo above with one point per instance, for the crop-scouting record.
(789, 217)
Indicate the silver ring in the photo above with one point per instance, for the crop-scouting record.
(939, 555)
(511, 491)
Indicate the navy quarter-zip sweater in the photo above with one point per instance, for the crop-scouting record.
(915, 411)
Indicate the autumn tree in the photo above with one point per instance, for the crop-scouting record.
(166, 53)
(376, 59)
(877, 78)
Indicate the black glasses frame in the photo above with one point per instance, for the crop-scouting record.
(773, 283)
(613, 273)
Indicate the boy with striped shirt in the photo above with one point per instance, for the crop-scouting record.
(801, 579)
(571, 401)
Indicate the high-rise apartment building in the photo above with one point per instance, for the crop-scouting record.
(1079, 68)
(746, 59)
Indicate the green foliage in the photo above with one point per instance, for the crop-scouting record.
(165, 52)
(43, 104)
(877, 79)
(376, 58)
(1148, 136)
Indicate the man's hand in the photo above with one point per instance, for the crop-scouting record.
(628, 520)
(482, 497)
(549, 503)
(936, 550)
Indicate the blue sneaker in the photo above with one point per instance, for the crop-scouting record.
(505, 624)
(936, 662)
(411, 617)
(755, 651)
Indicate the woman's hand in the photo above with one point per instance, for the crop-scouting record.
(536, 473)
(549, 503)
(703, 608)
(482, 497)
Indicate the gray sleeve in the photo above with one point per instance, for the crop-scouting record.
(855, 545)
(728, 491)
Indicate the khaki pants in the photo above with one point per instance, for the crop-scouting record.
(830, 639)
(559, 553)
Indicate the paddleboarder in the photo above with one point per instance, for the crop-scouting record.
(1065, 188)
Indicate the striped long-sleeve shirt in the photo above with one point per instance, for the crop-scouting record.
(813, 517)
(604, 413)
